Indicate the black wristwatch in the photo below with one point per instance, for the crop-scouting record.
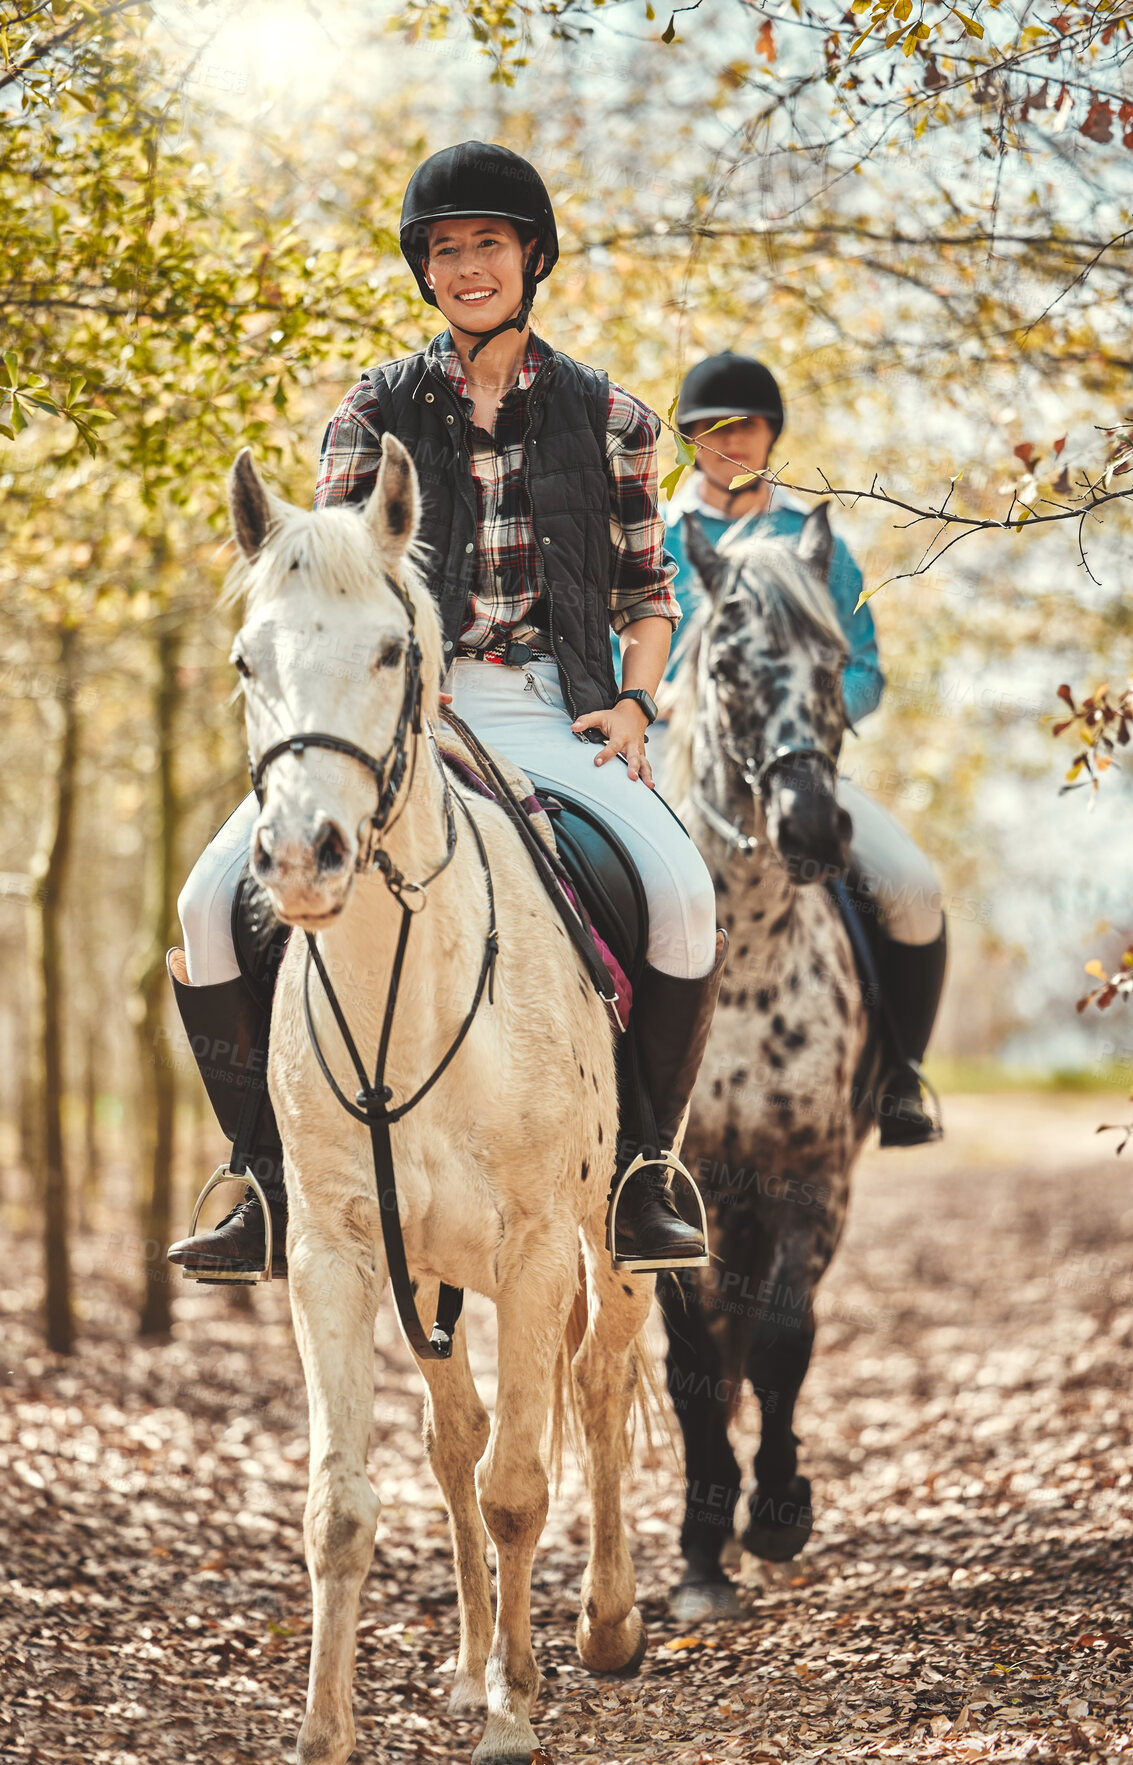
(641, 698)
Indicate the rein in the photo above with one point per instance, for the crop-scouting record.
(372, 1100)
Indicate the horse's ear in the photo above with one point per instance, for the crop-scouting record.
(393, 508)
(702, 554)
(816, 542)
(250, 504)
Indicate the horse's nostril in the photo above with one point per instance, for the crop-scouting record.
(330, 849)
(261, 856)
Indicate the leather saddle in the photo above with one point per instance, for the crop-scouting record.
(603, 873)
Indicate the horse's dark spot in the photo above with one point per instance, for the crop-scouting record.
(743, 950)
(765, 998)
(777, 925)
(397, 516)
(758, 915)
(294, 564)
(816, 970)
(729, 920)
(778, 1024)
(801, 1137)
(600, 1133)
(720, 885)
(739, 1077)
(725, 997)
(626, 1288)
(581, 1070)
(585, 1169)
(793, 983)
(594, 1080)
(741, 998)
(717, 1087)
(793, 1039)
(773, 1057)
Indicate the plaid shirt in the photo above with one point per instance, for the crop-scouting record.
(506, 596)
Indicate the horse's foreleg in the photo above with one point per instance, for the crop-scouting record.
(700, 1391)
(511, 1483)
(610, 1633)
(456, 1433)
(334, 1297)
(779, 1351)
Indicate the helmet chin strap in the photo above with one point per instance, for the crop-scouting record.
(518, 323)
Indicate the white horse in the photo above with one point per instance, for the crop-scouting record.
(502, 1169)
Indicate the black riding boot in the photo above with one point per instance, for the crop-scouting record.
(225, 1025)
(912, 979)
(672, 1019)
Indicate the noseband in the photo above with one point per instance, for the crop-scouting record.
(759, 778)
(389, 770)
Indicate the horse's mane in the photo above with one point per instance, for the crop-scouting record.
(799, 610)
(335, 547)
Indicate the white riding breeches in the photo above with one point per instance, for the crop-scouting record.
(520, 712)
(894, 869)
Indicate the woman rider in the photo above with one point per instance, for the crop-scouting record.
(906, 925)
(541, 530)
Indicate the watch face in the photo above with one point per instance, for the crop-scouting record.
(645, 699)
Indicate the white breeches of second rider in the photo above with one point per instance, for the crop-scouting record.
(896, 871)
(520, 712)
(893, 868)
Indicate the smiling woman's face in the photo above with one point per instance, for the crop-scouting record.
(475, 269)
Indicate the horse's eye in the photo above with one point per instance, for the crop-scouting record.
(242, 667)
(390, 654)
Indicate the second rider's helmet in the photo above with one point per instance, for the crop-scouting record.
(730, 386)
(480, 178)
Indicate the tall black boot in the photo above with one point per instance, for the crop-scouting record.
(671, 1020)
(226, 1025)
(912, 980)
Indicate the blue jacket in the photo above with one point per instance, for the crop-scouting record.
(862, 681)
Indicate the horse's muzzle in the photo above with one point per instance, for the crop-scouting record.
(808, 828)
(307, 872)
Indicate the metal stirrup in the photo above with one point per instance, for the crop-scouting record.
(238, 1277)
(671, 1163)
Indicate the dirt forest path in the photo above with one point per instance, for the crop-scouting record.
(968, 1425)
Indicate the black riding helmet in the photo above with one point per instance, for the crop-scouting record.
(472, 179)
(730, 386)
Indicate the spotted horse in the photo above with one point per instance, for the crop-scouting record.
(782, 1105)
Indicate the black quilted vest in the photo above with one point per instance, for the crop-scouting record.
(565, 470)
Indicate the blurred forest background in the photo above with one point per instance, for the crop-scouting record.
(920, 217)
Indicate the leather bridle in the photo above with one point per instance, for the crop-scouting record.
(759, 779)
(372, 1101)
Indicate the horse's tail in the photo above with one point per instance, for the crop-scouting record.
(647, 1411)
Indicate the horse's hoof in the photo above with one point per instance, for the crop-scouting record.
(698, 1602)
(780, 1523)
(506, 1744)
(617, 1649)
(468, 1694)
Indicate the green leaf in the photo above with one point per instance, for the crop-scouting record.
(12, 363)
(671, 479)
(742, 478)
(19, 421)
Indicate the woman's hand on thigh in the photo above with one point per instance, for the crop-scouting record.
(624, 728)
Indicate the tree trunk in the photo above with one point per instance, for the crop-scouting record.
(49, 876)
(92, 1165)
(158, 1072)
